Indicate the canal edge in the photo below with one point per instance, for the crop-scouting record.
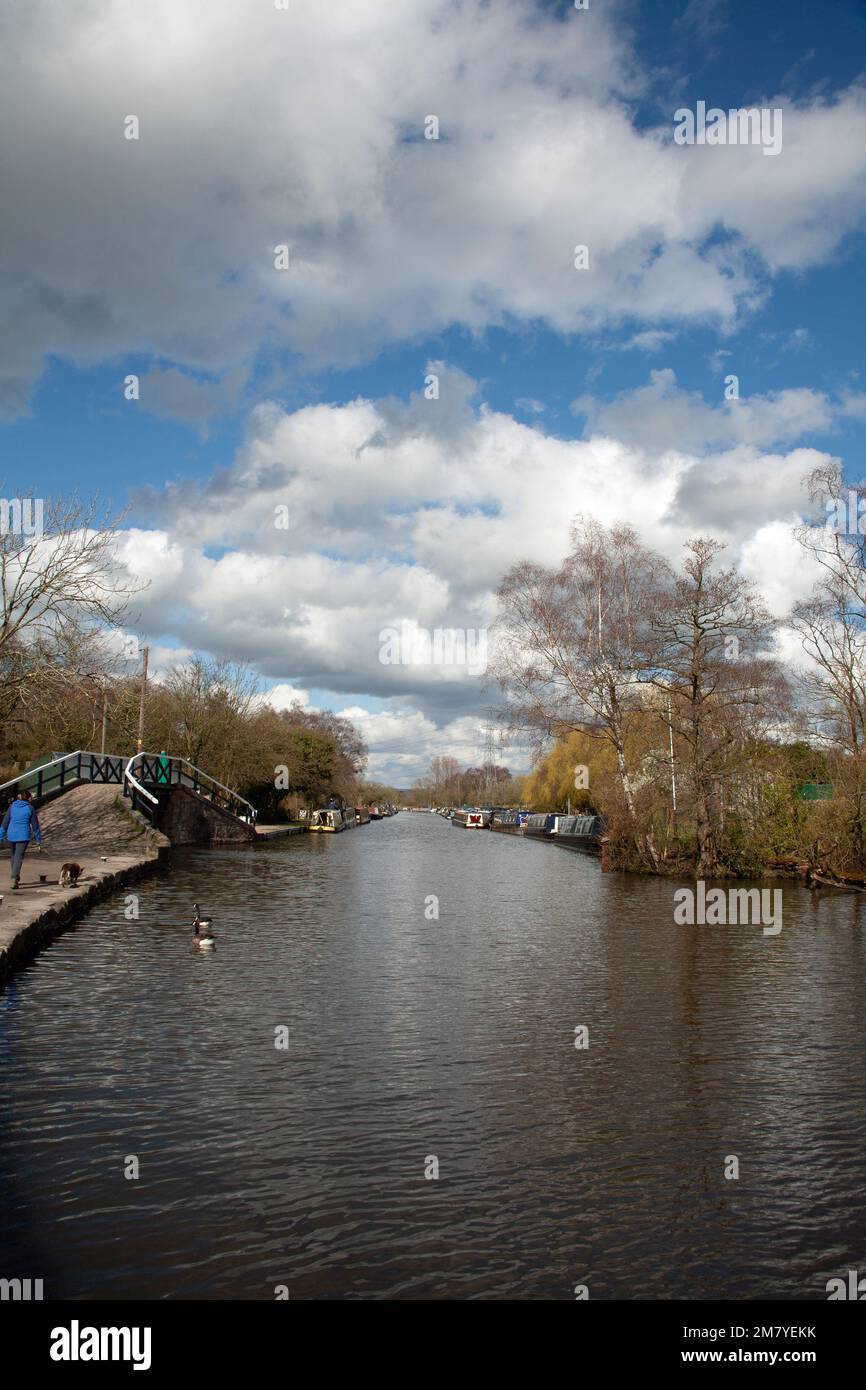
(53, 920)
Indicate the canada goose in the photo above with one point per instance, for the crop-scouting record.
(203, 937)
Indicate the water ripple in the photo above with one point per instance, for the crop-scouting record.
(410, 1039)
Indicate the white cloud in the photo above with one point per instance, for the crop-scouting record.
(411, 513)
(649, 340)
(283, 696)
(783, 571)
(662, 415)
(402, 741)
(260, 127)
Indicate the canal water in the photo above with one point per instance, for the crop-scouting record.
(415, 1042)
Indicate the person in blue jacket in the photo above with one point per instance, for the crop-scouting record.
(19, 823)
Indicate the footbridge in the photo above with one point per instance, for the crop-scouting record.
(172, 794)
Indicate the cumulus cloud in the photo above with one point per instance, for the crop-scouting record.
(261, 127)
(662, 415)
(283, 696)
(305, 127)
(408, 514)
(403, 740)
(783, 570)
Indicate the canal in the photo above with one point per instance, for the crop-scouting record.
(415, 1043)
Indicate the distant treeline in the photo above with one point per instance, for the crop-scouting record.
(448, 784)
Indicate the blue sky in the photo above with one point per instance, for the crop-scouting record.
(153, 257)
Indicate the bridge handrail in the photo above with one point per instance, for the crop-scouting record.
(81, 766)
(198, 776)
(129, 776)
(32, 770)
(52, 762)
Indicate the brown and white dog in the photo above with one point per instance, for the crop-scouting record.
(69, 875)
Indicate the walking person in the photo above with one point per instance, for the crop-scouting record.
(19, 823)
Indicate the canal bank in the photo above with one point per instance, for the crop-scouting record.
(279, 832)
(90, 826)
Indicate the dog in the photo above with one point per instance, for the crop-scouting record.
(69, 875)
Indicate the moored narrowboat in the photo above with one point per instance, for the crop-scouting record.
(509, 822)
(578, 832)
(472, 820)
(329, 820)
(539, 825)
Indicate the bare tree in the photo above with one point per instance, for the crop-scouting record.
(832, 624)
(712, 662)
(443, 778)
(573, 644)
(203, 711)
(61, 587)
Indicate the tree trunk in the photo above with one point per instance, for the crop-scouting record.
(707, 854)
(643, 844)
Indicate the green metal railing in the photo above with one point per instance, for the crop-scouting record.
(65, 771)
(141, 778)
(146, 771)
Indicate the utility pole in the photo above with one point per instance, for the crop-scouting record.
(140, 740)
(104, 720)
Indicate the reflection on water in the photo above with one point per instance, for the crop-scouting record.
(410, 1038)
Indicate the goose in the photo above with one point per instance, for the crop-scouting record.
(203, 937)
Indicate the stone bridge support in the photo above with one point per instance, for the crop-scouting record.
(187, 819)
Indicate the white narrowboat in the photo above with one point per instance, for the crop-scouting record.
(472, 820)
(329, 821)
